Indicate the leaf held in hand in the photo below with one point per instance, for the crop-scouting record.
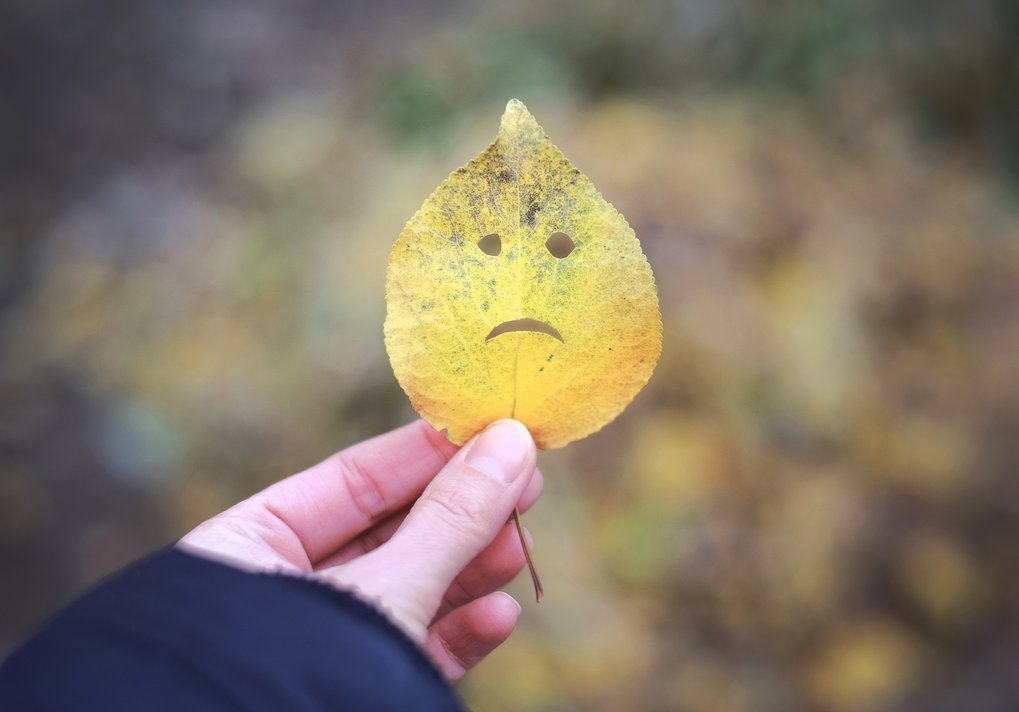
(517, 291)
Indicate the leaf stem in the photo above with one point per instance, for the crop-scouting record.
(538, 590)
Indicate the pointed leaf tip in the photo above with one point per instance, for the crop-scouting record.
(518, 127)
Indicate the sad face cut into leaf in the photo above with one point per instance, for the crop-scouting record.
(518, 291)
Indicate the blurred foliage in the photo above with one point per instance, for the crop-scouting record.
(812, 506)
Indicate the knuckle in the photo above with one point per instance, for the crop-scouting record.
(463, 509)
(255, 524)
(462, 665)
(456, 595)
(240, 528)
(365, 492)
(370, 541)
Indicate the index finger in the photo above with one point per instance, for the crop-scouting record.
(337, 499)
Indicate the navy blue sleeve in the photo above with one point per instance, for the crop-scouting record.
(177, 632)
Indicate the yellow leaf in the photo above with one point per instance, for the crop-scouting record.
(518, 291)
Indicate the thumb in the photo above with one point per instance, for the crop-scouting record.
(459, 514)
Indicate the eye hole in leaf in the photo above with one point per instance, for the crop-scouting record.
(490, 244)
(559, 245)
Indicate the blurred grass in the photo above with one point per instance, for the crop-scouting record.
(812, 505)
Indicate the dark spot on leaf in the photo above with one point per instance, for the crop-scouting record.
(532, 210)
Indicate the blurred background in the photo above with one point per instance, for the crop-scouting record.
(812, 506)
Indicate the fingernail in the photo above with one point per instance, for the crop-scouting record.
(501, 450)
(515, 602)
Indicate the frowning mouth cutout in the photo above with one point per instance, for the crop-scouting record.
(534, 325)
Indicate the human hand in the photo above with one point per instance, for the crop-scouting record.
(411, 522)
